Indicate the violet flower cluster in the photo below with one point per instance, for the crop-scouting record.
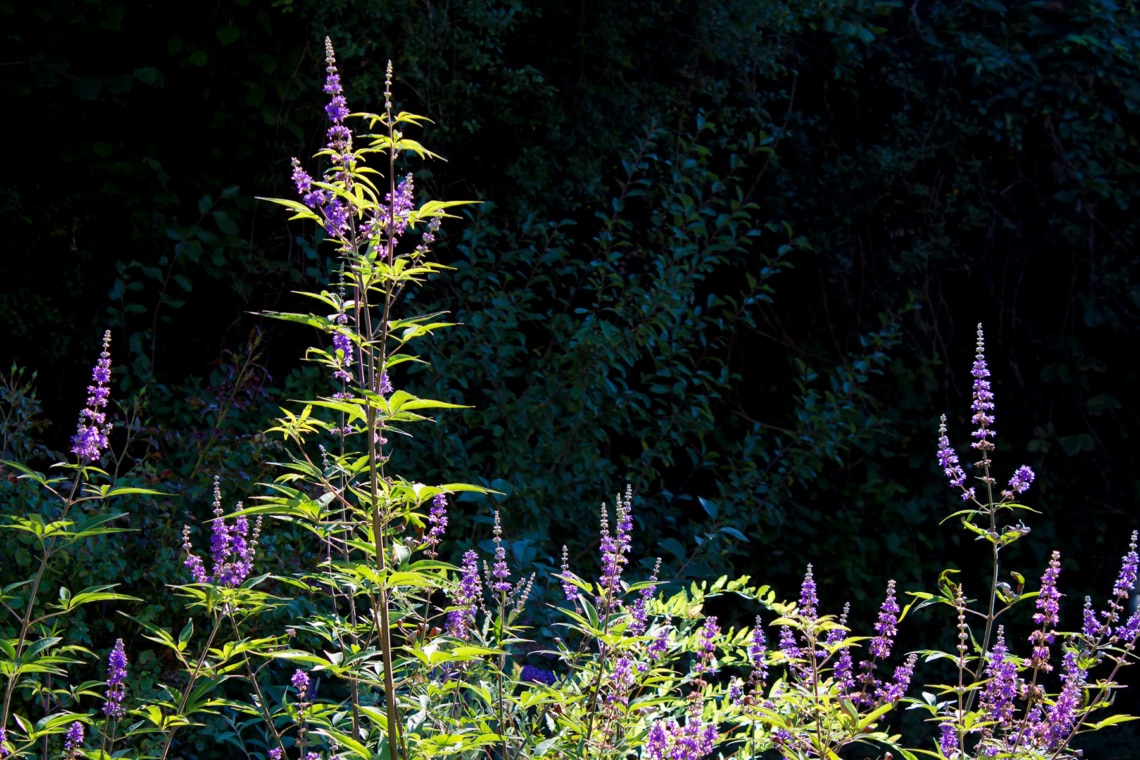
(614, 548)
(91, 435)
(467, 597)
(232, 547)
(116, 682)
(982, 407)
(73, 741)
(437, 522)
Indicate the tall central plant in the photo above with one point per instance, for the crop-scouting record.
(363, 511)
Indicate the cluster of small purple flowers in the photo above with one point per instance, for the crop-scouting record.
(232, 548)
(614, 549)
(73, 741)
(886, 627)
(499, 571)
(116, 682)
(467, 597)
(706, 647)
(1047, 615)
(437, 520)
(640, 611)
(1003, 684)
(809, 602)
(91, 435)
(670, 741)
(332, 208)
(983, 401)
(982, 406)
(342, 352)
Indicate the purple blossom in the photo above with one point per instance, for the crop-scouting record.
(1091, 627)
(948, 741)
(983, 401)
(640, 611)
(614, 549)
(788, 644)
(896, 688)
(670, 741)
(836, 634)
(3, 740)
(1019, 483)
(808, 600)
(569, 590)
(887, 625)
(947, 459)
(275, 754)
(706, 647)
(342, 351)
(659, 644)
(116, 686)
(499, 571)
(460, 619)
(1048, 601)
(1126, 581)
(1002, 684)
(232, 547)
(384, 384)
(1131, 628)
(304, 183)
(339, 136)
(1060, 716)
(73, 741)
(1047, 615)
(844, 671)
(400, 205)
(437, 519)
(90, 439)
(300, 681)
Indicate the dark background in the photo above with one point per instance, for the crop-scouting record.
(733, 253)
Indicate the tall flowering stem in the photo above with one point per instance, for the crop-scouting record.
(382, 239)
(984, 442)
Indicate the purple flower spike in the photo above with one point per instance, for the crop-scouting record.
(569, 590)
(232, 547)
(1048, 601)
(948, 460)
(1047, 615)
(1126, 581)
(499, 571)
(437, 519)
(73, 741)
(948, 741)
(116, 686)
(887, 625)
(1002, 687)
(808, 600)
(300, 682)
(1019, 483)
(706, 648)
(90, 439)
(894, 691)
(460, 619)
(339, 136)
(983, 401)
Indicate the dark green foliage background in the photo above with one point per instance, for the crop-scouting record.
(731, 252)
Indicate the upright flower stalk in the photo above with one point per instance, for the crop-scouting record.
(370, 217)
(1001, 705)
